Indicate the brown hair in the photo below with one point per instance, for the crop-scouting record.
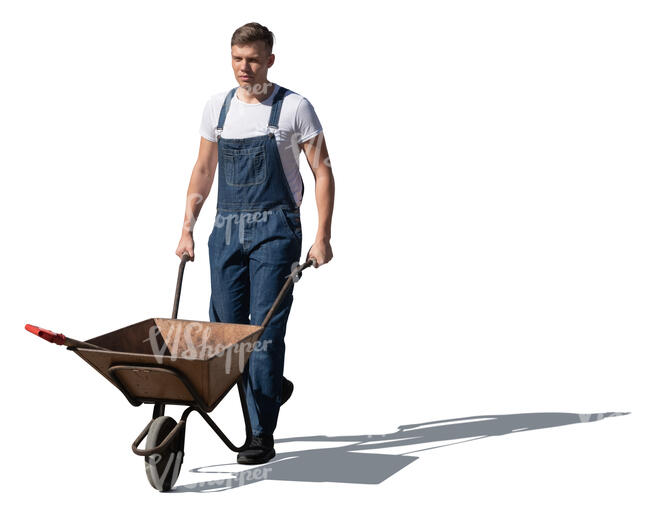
(247, 34)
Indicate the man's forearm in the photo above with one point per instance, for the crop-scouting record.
(324, 201)
(197, 192)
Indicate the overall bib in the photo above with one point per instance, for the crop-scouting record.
(256, 238)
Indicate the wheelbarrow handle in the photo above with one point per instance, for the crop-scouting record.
(60, 338)
(179, 282)
(293, 277)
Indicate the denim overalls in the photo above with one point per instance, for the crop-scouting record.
(256, 238)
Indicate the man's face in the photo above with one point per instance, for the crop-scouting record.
(251, 63)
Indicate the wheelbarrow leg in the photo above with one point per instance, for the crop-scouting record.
(215, 427)
(158, 410)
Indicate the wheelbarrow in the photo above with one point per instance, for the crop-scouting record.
(164, 361)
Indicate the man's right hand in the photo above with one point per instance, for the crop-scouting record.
(186, 245)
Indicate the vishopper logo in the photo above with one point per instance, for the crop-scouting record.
(167, 466)
(234, 481)
(295, 274)
(197, 341)
(193, 200)
(593, 417)
(240, 219)
(314, 149)
(256, 89)
(171, 466)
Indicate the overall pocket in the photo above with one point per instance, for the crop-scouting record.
(291, 219)
(244, 167)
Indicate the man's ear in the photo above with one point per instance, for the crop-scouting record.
(271, 60)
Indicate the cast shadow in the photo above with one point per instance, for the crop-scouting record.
(351, 462)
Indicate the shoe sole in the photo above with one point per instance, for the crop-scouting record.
(254, 461)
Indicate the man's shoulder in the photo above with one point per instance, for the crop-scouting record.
(293, 97)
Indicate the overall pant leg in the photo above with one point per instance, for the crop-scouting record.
(229, 276)
(270, 263)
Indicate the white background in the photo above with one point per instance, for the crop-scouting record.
(490, 238)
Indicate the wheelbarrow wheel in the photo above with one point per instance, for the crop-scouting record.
(163, 468)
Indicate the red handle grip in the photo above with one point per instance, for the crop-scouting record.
(50, 336)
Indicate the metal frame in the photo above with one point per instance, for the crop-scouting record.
(198, 405)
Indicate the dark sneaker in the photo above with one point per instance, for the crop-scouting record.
(260, 450)
(287, 390)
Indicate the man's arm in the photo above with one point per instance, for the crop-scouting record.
(318, 158)
(198, 190)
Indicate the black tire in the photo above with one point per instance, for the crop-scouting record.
(163, 468)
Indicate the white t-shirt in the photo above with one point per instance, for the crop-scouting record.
(298, 123)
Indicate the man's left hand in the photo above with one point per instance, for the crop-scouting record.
(321, 251)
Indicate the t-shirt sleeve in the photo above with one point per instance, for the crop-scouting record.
(307, 124)
(208, 122)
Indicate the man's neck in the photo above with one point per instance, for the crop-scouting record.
(257, 93)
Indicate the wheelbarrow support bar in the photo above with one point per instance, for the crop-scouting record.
(180, 426)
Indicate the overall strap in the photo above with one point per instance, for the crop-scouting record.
(275, 110)
(224, 111)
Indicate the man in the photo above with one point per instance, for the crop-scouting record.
(255, 133)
